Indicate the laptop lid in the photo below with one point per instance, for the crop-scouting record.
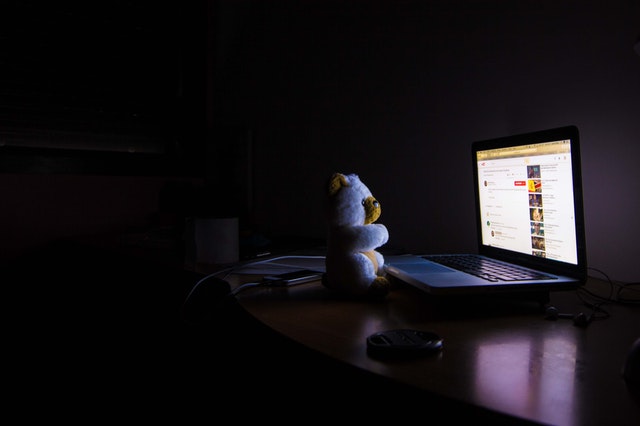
(529, 212)
(529, 207)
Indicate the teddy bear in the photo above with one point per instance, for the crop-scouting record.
(353, 265)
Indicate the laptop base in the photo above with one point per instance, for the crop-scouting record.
(534, 299)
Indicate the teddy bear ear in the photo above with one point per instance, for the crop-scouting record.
(337, 181)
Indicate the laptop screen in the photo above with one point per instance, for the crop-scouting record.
(529, 195)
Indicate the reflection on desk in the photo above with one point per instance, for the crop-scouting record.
(499, 354)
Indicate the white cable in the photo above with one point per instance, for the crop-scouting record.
(242, 287)
(229, 271)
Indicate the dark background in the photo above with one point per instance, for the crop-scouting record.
(247, 107)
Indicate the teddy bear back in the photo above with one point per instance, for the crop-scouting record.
(353, 266)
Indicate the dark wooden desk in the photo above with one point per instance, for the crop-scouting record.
(109, 328)
(499, 355)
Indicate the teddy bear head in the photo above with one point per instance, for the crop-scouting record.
(351, 202)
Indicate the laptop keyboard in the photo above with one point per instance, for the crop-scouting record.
(486, 268)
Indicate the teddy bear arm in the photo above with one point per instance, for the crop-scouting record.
(383, 233)
(360, 238)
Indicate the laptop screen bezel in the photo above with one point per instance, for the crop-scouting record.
(578, 270)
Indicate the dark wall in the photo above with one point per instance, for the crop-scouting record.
(396, 91)
(102, 112)
(123, 77)
(38, 209)
(392, 90)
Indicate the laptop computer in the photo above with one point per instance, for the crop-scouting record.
(529, 217)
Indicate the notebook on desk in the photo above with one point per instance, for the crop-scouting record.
(529, 220)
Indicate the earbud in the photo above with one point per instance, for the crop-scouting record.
(582, 319)
(552, 314)
(579, 320)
